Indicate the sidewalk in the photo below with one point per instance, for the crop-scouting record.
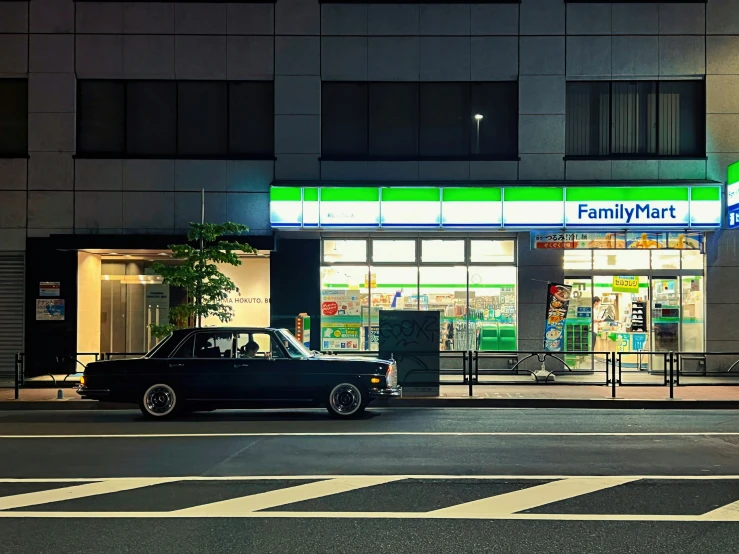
(564, 396)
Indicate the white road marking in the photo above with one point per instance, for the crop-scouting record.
(719, 514)
(537, 477)
(280, 497)
(374, 434)
(533, 497)
(79, 491)
(371, 515)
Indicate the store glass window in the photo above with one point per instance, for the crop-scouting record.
(394, 287)
(393, 250)
(692, 314)
(692, 259)
(492, 251)
(665, 259)
(477, 303)
(344, 307)
(444, 290)
(621, 260)
(337, 251)
(442, 251)
(492, 308)
(578, 259)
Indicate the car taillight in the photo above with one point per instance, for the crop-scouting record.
(392, 376)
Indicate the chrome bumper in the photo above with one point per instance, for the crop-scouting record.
(84, 392)
(386, 393)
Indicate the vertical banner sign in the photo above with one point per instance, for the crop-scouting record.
(412, 338)
(558, 299)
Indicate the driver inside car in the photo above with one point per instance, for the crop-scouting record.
(250, 350)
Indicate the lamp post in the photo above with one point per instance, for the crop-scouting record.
(478, 118)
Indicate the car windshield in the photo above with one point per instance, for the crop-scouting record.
(158, 346)
(293, 346)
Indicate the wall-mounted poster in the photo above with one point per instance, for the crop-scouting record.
(49, 310)
(49, 288)
(558, 299)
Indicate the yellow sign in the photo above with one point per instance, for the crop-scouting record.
(625, 284)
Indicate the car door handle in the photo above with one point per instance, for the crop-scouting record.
(176, 365)
(241, 365)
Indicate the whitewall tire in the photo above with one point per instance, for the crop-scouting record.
(346, 400)
(159, 401)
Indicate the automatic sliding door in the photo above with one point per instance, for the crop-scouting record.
(579, 330)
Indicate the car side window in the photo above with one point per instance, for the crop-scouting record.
(257, 345)
(209, 345)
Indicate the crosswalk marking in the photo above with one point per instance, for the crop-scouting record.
(728, 511)
(507, 506)
(78, 491)
(370, 515)
(533, 497)
(281, 497)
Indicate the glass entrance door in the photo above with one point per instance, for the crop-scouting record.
(666, 314)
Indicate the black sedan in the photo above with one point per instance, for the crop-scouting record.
(211, 368)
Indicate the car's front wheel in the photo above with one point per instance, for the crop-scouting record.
(159, 402)
(346, 400)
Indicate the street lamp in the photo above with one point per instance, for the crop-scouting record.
(478, 118)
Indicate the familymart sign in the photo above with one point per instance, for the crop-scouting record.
(496, 207)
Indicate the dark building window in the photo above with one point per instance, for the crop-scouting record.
(186, 119)
(420, 120)
(13, 117)
(151, 118)
(636, 119)
(251, 125)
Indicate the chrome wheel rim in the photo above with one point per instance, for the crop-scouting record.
(345, 399)
(159, 400)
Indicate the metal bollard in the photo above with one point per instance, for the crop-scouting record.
(672, 380)
(17, 375)
(60, 394)
(613, 375)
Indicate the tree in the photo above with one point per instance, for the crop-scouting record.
(207, 288)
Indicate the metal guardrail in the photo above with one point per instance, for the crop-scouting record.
(469, 368)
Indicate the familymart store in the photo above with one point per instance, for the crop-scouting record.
(482, 256)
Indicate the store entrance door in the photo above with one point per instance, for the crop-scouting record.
(666, 314)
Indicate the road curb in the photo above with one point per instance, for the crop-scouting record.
(464, 402)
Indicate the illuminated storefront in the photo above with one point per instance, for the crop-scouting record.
(456, 249)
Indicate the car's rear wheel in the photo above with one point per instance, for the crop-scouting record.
(346, 400)
(160, 402)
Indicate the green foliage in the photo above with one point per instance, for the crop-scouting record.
(207, 288)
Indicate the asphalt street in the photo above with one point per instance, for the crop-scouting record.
(397, 480)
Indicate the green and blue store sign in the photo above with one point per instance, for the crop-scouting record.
(643, 207)
(732, 195)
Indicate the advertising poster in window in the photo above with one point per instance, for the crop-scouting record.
(340, 303)
(558, 240)
(340, 336)
(558, 300)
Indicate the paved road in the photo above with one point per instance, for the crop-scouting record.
(467, 481)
